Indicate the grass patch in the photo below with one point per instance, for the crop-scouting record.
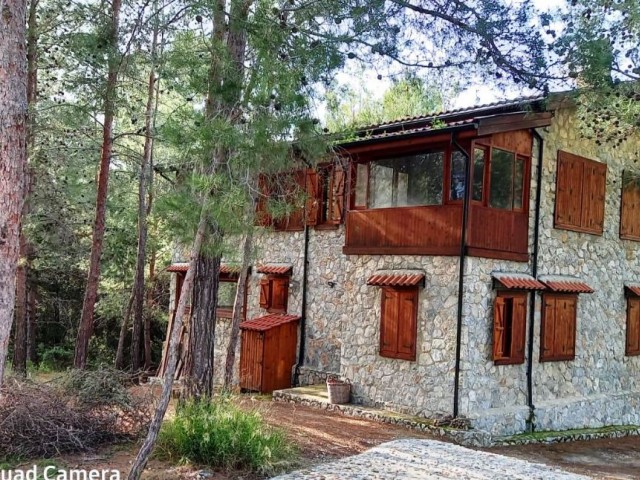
(221, 435)
(546, 434)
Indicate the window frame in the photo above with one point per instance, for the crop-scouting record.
(555, 356)
(624, 228)
(399, 293)
(517, 341)
(225, 312)
(267, 288)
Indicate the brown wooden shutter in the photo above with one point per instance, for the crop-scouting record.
(630, 208)
(499, 319)
(593, 198)
(407, 323)
(312, 209)
(263, 217)
(633, 326)
(569, 178)
(565, 328)
(265, 293)
(279, 294)
(389, 323)
(548, 328)
(518, 328)
(337, 194)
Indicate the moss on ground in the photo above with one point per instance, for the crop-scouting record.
(547, 434)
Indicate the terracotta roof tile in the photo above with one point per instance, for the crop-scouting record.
(565, 284)
(260, 324)
(633, 289)
(518, 281)
(184, 266)
(396, 279)
(275, 268)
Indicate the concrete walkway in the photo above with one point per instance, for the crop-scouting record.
(411, 459)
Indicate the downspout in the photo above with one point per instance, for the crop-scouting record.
(534, 274)
(462, 257)
(303, 312)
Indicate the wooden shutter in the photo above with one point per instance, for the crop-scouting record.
(633, 326)
(547, 335)
(499, 322)
(263, 217)
(518, 328)
(312, 209)
(265, 293)
(279, 294)
(569, 191)
(558, 338)
(593, 197)
(337, 194)
(630, 207)
(407, 323)
(389, 323)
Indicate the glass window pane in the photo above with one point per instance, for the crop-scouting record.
(426, 175)
(458, 161)
(226, 294)
(518, 183)
(402, 191)
(501, 193)
(381, 186)
(361, 185)
(478, 173)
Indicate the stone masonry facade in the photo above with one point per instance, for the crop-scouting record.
(601, 386)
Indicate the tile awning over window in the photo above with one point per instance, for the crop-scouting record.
(261, 324)
(396, 278)
(184, 266)
(178, 267)
(633, 289)
(561, 284)
(275, 268)
(518, 281)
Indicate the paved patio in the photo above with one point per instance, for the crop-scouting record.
(411, 459)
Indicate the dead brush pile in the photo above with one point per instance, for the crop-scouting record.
(79, 412)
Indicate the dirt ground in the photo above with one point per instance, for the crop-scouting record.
(617, 458)
(325, 436)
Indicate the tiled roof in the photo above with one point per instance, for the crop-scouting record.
(260, 324)
(396, 279)
(178, 267)
(184, 266)
(634, 289)
(565, 284)
(275, 268)
(518, 281)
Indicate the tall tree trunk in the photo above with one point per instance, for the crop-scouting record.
(154, 428)
(124, 326)
(138, 317)
(13, 153)
(238, 307)
(22, 284)
(32, 353)
(203, 326)
(85, 329)
(148, 361)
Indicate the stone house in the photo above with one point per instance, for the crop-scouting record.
(480, 263)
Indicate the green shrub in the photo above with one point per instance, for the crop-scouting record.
(56, 359)
(220, 434)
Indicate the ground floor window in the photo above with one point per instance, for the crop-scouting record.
(274, 293)
(558, 336)
(633, 325)
(398, 322)
(509, 327)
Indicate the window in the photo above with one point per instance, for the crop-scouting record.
(226, 298)
(325, 195)
(506, 183)
(458, 175)
(398, 323)
(274, 293)
(509, 323)
(558, 336)
(479, 154)
(580, 191)
(633, 321)
(406, 181)
(630, 208)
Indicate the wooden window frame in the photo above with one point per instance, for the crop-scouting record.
(268, 289)
(632, 335)
(558, 222)
(224, 312)
(509, 350)
(397, 294)
(629, 232)
(553, 355)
